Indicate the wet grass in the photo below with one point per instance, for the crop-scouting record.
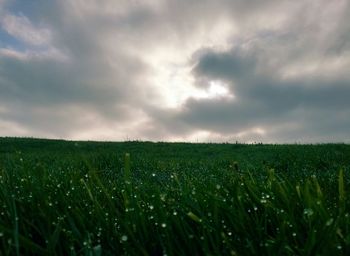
(89, 198)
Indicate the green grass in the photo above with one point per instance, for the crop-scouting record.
(90, 198)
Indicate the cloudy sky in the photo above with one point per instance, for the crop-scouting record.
(176, 70)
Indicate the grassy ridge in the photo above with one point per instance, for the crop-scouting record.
(77, 198)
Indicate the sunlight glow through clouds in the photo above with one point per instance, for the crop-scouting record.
(176, 85)
(171, 65)
(216, 89)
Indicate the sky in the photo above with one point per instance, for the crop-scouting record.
(272, 71)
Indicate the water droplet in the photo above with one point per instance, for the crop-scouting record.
(329, 222)
(308, 212)
(124, 238)
(163, 225)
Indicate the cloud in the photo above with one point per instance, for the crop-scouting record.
(76, 80)
(275, 71)
(21, 28)
(290, 84)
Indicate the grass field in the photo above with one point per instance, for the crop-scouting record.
(90, 198)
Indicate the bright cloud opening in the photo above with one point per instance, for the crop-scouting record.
(216, 89)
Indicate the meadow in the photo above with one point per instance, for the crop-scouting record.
(142, 198)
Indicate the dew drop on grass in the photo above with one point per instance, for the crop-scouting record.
(163, 225)
(329, 222)
(294, 234)
(124, 238)
(308, 212)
